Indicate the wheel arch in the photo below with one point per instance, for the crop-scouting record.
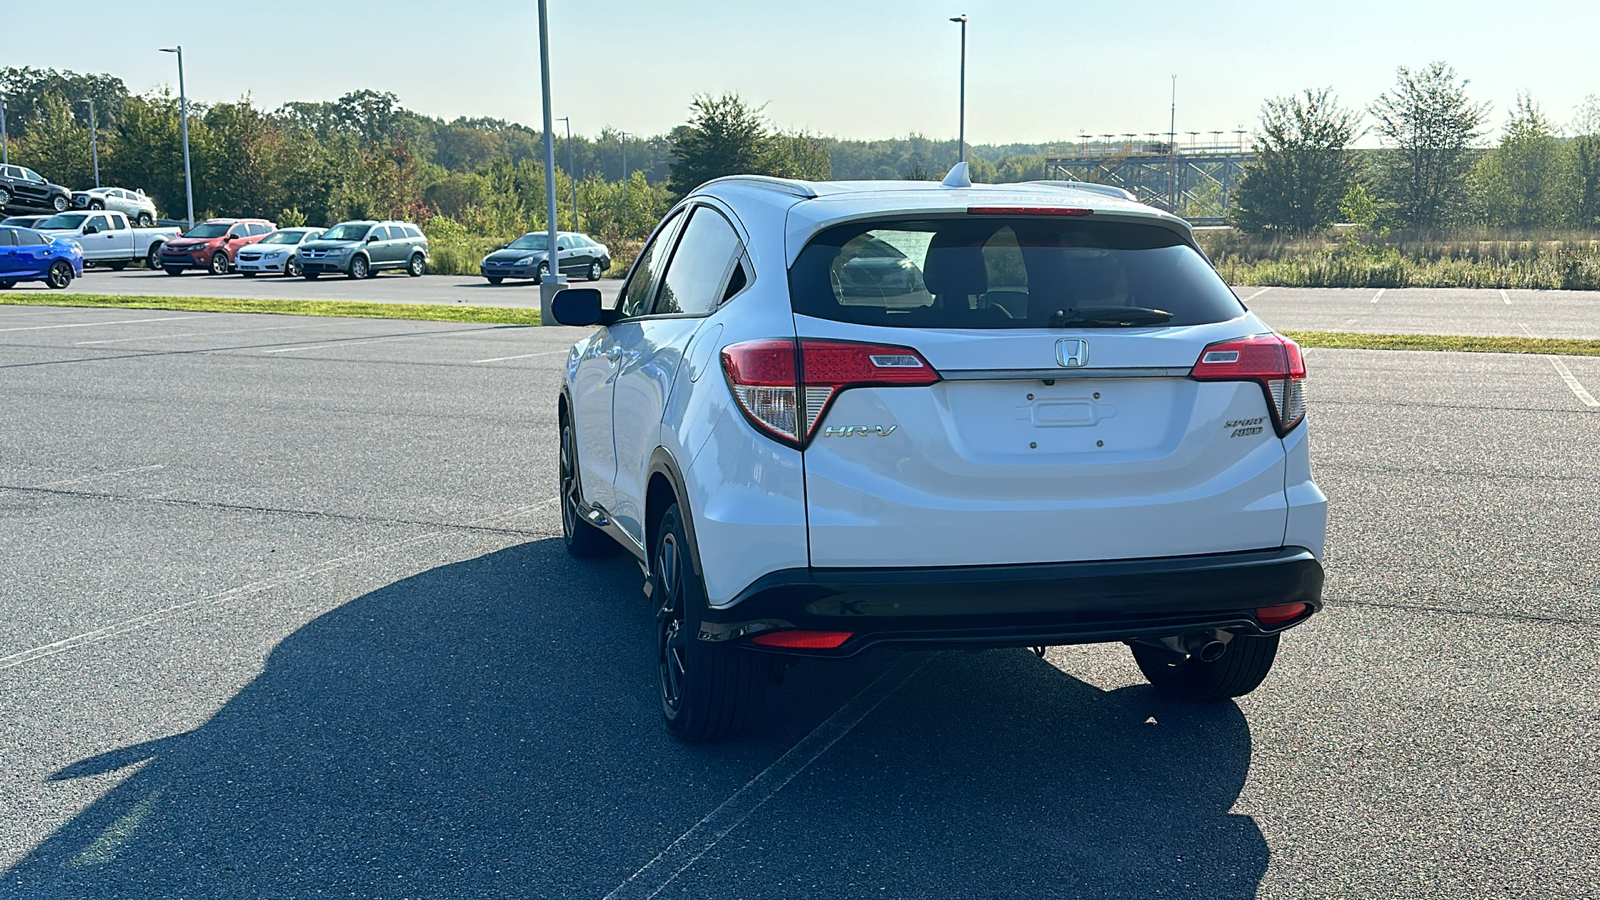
(664, 487)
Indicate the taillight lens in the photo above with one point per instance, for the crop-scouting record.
(785, 386)
(1271, 360)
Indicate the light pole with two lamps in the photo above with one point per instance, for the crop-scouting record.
(183, 109)
(94, 143)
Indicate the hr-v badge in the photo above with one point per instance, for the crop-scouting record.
(1072, 352)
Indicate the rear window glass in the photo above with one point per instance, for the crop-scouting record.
(1003, 272)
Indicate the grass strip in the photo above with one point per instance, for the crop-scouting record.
(498, 315)
(1453, 343)
(492, 315)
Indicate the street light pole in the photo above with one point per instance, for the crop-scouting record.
(5, 147)
(183, 109)
(94, 143)
(572, 172)
(552, 282)
(961, 139)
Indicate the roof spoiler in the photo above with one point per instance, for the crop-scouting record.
(1107, 190)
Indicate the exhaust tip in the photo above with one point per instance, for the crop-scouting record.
(1211, 651)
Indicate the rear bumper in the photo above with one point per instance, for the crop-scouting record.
(1025, 605)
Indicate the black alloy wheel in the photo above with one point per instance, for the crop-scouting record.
(707, 689)
(1240, 669)
(60, 275)
(582, 539)
(416, 266)
(219, 263)
(358, 267)
(595, 271)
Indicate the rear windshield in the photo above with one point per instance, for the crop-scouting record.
(1003, 272)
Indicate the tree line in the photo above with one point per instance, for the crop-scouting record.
(1432, 173)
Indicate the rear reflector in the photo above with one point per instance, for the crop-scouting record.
(785, 392)
(1028, 211)
(1272, 615)
(802, 640)
(1271, 360)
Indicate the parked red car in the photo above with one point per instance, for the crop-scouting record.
(213, 245)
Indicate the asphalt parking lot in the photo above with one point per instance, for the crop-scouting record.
(1554, 314)
(284, 612)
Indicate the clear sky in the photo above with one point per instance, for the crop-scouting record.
(1037, 70)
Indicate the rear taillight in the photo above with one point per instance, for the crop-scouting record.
(785, 386)
(1271, 360)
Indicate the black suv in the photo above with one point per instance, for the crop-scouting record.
(22, 188)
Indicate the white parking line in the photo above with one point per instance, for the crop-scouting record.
(1573, 384)
(397, 337)
(98, 324)
(1257, 294)
(1505, 296)
(525, 355)
(201, 333)
(654, 876)
(1378, 294)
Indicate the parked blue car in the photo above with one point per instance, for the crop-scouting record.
(27, 255)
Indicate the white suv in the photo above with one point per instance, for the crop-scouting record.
(832, 416)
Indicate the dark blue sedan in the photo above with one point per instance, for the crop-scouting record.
(27, 255)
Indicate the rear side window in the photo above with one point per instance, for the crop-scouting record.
(411, 231)
(8, 238)
(699, 271)
(117, 221)
(31, 239)
(1003, 272)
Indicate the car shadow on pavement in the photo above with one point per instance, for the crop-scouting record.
(489, 729)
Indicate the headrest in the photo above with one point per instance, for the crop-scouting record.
(953, 267)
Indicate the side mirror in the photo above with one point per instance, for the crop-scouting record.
(372, 238)
(576, 306)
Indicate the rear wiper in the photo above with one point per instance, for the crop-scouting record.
(1108, 317)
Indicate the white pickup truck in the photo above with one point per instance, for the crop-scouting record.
(107, 239)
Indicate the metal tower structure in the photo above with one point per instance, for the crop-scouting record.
(1201, 177)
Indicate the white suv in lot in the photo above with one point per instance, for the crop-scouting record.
(832, 416)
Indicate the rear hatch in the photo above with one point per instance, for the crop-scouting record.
(1054, 416)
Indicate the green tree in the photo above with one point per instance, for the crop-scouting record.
(1520, 182)
(1302, 167)
(56, 147)
(1432, 125)
(724, 136)
(1584, 165)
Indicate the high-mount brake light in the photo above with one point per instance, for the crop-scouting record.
(785, 389)
(1272, 361)
(1028, 211)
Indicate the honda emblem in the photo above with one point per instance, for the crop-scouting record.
(1072, 352)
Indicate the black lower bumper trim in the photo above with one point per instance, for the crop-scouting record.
(1055, 603)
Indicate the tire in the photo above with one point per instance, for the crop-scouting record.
(416, 266)
(145, 220)
(174, 270)
(494, 279)
(59, 276)
(544, 270)
(117, 266)
(219, 263)
(97, 204)
(707, 689)
(7, 285)
(59, 204)
(595, 271)
(359, 268)
(5, 198)
(291, 267)
(1240, 670)
(152, 257)
(582, 539)
(247, 274)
